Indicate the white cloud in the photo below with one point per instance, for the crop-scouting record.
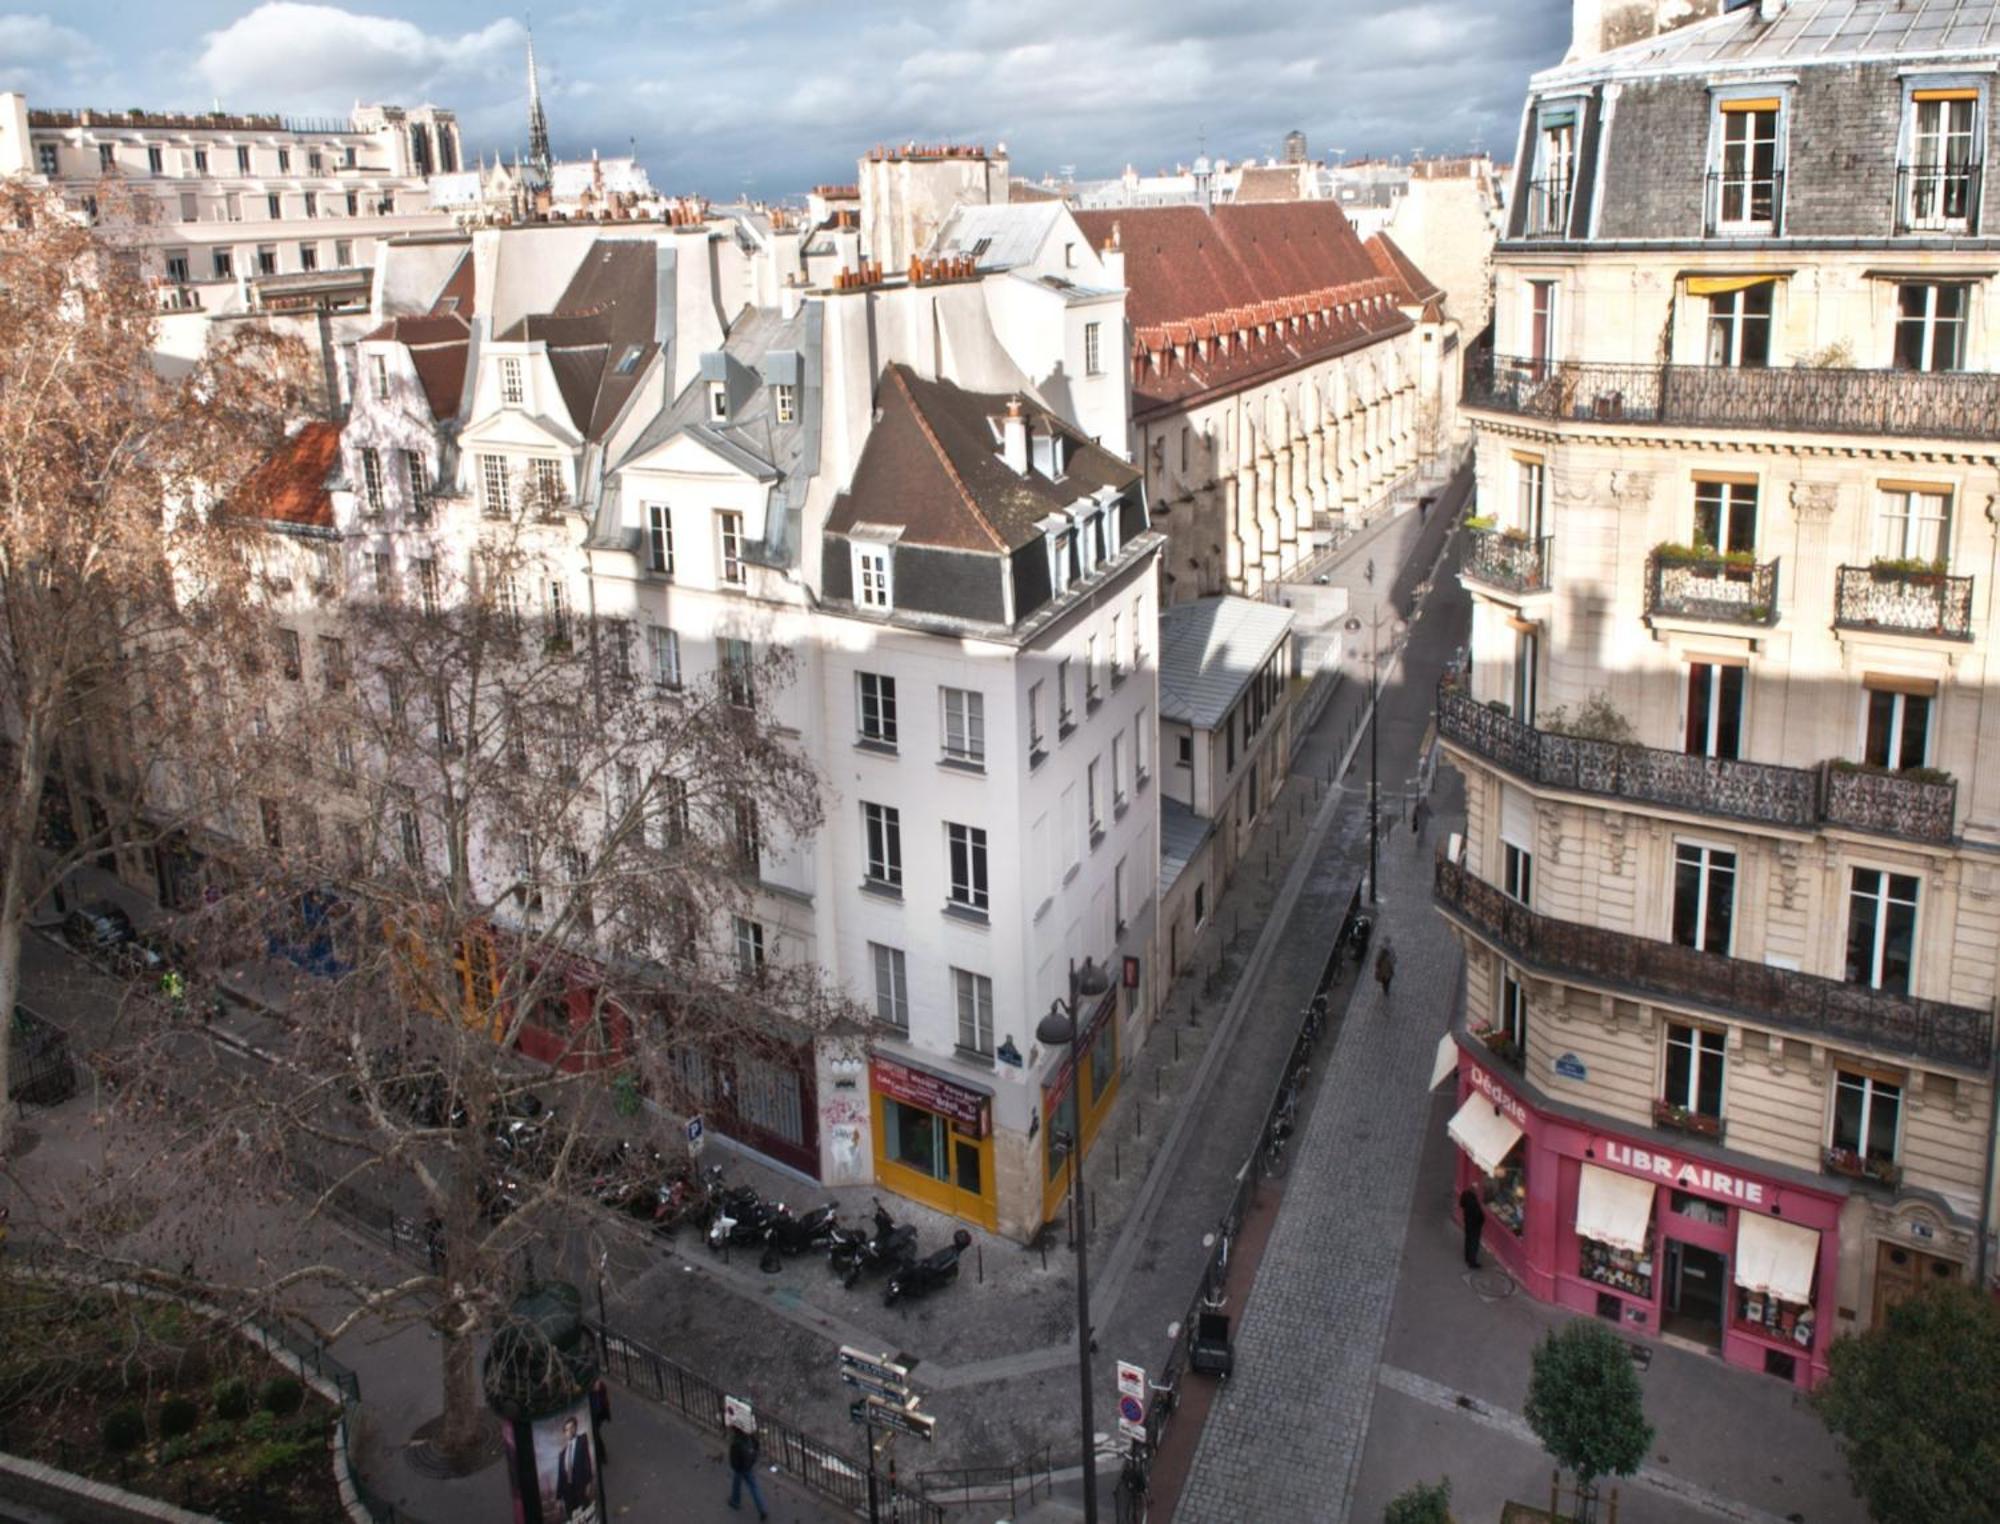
(305, 56)
(34, 48)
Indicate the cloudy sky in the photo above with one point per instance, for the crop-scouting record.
(770, 96)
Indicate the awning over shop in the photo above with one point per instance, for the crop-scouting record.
(1614, 1209)
(1776, 1258)
(1485, 1133)
(1722, 285)
(1447, 1061)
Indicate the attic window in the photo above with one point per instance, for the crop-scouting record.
(628, 361)
(718, 401)
(871, 576)
(787, 402)
(512, 391)
(980, 246)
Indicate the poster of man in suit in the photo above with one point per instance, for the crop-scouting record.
(566, 1467)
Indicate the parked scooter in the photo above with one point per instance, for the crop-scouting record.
(854, 1253)
(791, 1235)
(743, 1222)
(922, 1277)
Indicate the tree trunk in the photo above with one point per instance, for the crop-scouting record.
(463, 1402)
(14, 905)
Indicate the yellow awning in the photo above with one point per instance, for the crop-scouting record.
(1486, 1133)
(1776, 1258)
(1446, 1063)
(1761, 103)
(1965, 94)
(1718, 285)
(1614, 1209)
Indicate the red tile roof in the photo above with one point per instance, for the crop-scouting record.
(437, 348)
(290, 486)
(459, 292)
(1227, 298)
(1394, 263)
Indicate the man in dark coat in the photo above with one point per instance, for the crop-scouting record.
(576, 1473)
(1385, 970)
(1474, 1213)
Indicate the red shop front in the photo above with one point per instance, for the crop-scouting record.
(1657, 1238)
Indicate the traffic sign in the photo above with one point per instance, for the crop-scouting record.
(1131, 1400)
(694, 1134)
(889, 1415)
(895, 1391)
(881, 1367)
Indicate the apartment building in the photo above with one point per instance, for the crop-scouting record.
(1727, 889)
(219, 199)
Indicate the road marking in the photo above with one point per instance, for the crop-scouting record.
(1514, 1426)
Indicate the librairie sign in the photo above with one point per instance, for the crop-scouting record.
(1683, 1173)
(933, 1092)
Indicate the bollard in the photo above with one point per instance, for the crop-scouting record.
(1044, 1239)
(1156, 1082)
(1090, 1227)
(1177, 1044)
(1139, 1111)
(979, 1259)
(1117, 1163)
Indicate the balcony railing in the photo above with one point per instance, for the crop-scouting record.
(1852, 1015)
(1937, 198)
(1548, 208)
(1744, 204)
(1763, 793)
(1714, 589)
(1504, 560)
(1925, 404)
(1904, 601)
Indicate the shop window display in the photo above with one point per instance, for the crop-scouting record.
(1507, 1195)
(1775, 1319)
(1626, 1270)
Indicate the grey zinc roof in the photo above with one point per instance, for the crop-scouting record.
(1209, 651)
(1181, 834)
(1804, 32)
(1013, 233)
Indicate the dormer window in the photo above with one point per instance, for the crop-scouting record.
(718, 402)
(872, 589)
(513, 388)
(1049, 449)
(786, 401)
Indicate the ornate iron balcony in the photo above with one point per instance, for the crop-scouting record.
(1922, 809)
(1852, 1015)
(1937, 198)
(1548, 208)
(1711, 588)
(1510, 561)
(1815, 399)
(1905, 601)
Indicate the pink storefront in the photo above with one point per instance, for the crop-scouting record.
(1656, 1237)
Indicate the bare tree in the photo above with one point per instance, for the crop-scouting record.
(512, 865)
(118, 585)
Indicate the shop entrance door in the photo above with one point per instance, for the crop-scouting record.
(1697, 1286)
(1901, 1272)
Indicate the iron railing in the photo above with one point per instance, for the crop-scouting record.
(1938, 198)
(1548, 207)
(1904, 601)
(1712, 588)
(1504, 560)
(1922, 809)
(1808, 398)
(1743, 203)
(1851, 1014)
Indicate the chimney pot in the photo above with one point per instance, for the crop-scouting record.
(1014, 437)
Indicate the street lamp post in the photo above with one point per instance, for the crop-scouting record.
(1353, 626)
(1063, 1026)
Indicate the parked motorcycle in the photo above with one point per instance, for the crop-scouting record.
(922, 1277)
(790, 1236)
(743, 1221)
(854, 1252)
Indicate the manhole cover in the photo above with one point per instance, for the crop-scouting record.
(1491, 1285)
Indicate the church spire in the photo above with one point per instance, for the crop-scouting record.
(539, 157)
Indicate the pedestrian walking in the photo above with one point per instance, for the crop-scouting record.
(600, 1415)
(1420, 820)
(1474, 1213)
(1385, 968)
(743, 1454)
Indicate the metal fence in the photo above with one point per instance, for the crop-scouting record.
(42, 1071)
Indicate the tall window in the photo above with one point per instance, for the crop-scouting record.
(308, 256)
(1541, 325)
(545, 476)
(45, 158)
(1714, 710)
(333, 663)
(973, 995)
(882, 839)
(1118, 770)
(965, 849)
(877, 697)
(675, 816)
(1881, 929)
(289, 661)
(1930, 326)
(556, 595)
(1694, 1069)
(1093, 364)
(659, 538)
(1093, 799)
(1514, 1011)
(1142, 749)
(224, 261)
(1899, 729)
(420, 485)
(1704, 897)
(1914, 524)
(155, 160)
(729, 537)
(274, 204)
(1118, 896)
(1517, 866)
(1747, 191)
(371, 479)
(1064, 715)
(892, 986)
(1531, 488)
(664, 646)
(1739, 325)
(1527, 677)
(1867, 1111)
(1941, 181)
(964, 725)
(871, 576)
(1725, 516)
(242, 161)
(787, 401)
(1034, 718)
(1555, 172)
(749, 834)
(749, 946)
(495, 493)
(513, 386)
(739, 682)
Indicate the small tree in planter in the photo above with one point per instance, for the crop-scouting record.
(1584, 1405)
(1423, 1503)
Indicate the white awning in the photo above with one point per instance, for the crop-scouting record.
(1447, 1061)
(1776, 1258)
(1614, 1209)
(1485, 1133)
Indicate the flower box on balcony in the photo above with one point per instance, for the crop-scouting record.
(1680, 1119)
(1502, 1046)
(1674, 552)
(1855, 1166)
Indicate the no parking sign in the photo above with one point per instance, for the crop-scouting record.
(1131, 1400)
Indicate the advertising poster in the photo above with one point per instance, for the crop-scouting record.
(566, 1466)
